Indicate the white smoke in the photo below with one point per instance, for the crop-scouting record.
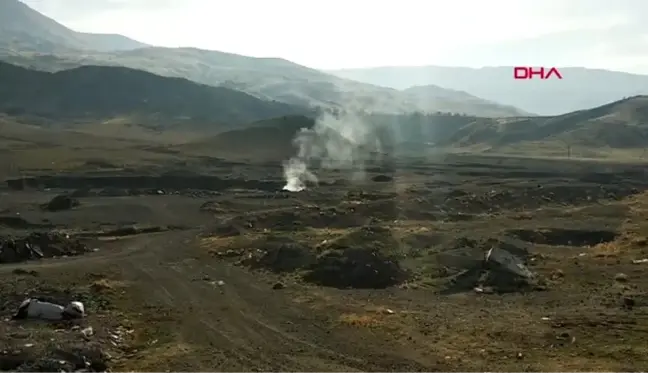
(343, 142)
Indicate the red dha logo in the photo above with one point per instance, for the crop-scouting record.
(523, 72)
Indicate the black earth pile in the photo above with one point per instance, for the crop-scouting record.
(39, 245)
(60, 203)
(81, 358)
(279, 258)
(356, 268)
(337, 265)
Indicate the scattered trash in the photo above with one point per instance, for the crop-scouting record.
(87, 332)
(639, 261)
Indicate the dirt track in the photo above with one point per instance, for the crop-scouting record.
(165, 285)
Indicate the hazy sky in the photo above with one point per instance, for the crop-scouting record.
(330, 34)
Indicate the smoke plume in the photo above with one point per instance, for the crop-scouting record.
(344, 142)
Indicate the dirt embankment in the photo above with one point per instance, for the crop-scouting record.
(143, 182)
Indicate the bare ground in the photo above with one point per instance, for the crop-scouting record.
(243, 277)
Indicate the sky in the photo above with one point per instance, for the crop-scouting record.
(333, 34)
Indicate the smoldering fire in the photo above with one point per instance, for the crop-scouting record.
(342, 142)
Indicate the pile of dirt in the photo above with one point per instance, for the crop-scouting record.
(60, 203)
(286, 257)
(534, 197)
(360, 260)
(564, 237)
(358, 268)
(39, 245)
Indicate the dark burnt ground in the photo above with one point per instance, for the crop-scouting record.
(205, 274)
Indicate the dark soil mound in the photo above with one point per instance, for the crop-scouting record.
(564, 237)
(286, 257)
(382, 178)
(17, 222)
(37, 246)
(61, 202)
(356, 268)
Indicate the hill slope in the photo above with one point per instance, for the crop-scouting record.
(579, 89)
(621, 125)
(92, 92)
(24, 29)
(453, 101)
(268, 78)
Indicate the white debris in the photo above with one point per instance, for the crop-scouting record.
(87, 332)
(639, 261)
(37, 309)
(509, 262)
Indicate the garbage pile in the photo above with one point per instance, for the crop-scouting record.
(39, 245)
(499, 271)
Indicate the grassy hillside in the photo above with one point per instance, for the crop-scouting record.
(23, 29)
(93, 92)
(620, 128)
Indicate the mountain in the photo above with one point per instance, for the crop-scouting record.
(22, 29)
(94, 92)
(579, 89)
(30, 39)
(269, 78)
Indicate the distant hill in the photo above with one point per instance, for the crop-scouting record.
(23, 29)
(270, 139)
(579, 89)
(30, 39)
(621, 125)
(93, 92)
(453, 101)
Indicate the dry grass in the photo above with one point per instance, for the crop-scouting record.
(633, 237)
(156, 357)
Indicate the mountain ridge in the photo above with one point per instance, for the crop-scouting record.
(24, 29)
(580, 88)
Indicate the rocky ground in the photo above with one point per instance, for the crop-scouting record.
(229, 273)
